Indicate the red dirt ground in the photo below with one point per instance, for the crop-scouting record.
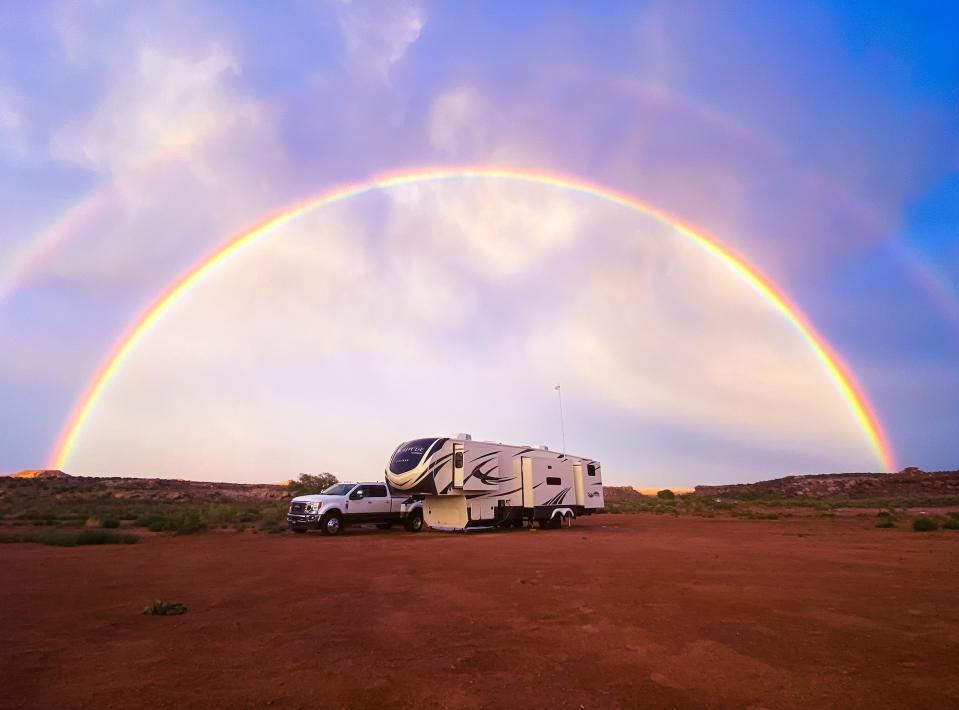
(620, 611)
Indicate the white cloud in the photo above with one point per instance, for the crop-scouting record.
(378, 34)
(503, 227)
(166, 102)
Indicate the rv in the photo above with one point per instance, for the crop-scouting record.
(474, 484)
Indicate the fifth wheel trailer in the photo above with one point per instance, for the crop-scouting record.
(468, 484)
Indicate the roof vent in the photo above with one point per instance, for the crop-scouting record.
(544, 447)
(464, 437)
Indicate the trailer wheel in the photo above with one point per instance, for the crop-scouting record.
(332, 523)
(414, 521)
(548, 523)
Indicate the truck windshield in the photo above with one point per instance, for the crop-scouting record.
(340, 489)
(408, 455)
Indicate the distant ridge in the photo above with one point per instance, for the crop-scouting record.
(39, 473)
(910, 481)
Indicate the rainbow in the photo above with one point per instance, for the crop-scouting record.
(181, 286)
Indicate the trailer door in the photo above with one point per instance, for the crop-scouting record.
(458, 456)
(526, 473)
(578, 484)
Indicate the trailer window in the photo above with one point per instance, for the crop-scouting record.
(376, 491)
(408, 455)
(553, 481)
(591, 469)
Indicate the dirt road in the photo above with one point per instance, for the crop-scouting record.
(620, 611)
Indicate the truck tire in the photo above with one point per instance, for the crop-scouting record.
(414, 521)
(332, 523)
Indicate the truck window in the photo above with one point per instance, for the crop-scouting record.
(358, 493)
(376, 491)
(553, 481)
(591, 469)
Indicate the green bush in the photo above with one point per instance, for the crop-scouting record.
(311, 483)
(924, 525)
(184, 522)
(71, 538)
(273, 519)
(951, 524)
(111, 523)
(665, 494)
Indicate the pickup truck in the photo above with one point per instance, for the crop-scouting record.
(345, 504)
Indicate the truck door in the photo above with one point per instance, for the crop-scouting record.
(458, 456)
(378, 501)
(526, 473)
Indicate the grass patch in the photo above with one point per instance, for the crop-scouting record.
(924, 525)
(70, 538)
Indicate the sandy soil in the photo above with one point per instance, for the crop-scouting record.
(620, 611)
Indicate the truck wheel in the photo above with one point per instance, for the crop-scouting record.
(332, 523)
(414, 522)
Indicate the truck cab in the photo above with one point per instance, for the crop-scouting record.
(344, 504)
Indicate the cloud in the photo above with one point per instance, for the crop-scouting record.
(378, 34)
(167, 102)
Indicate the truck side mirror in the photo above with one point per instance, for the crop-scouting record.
(357, 494)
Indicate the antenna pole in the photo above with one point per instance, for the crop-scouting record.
(562, 424)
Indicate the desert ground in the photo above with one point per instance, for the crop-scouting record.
(618, 611)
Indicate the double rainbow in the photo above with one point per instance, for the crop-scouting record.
(179, 288)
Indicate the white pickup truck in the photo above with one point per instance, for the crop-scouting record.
(345, 504)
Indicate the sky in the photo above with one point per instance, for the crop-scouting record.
(688, 215)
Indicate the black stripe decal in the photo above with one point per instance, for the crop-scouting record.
(484, 456)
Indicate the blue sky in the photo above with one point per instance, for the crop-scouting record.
(820, 141)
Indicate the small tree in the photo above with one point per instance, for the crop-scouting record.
(666, 494)
(311, 483)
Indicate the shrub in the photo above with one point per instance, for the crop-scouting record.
(924, 525)
(220, 514)
(184, 522)
(885, 523)
(310, 483)
(71, 538)
(272, 519)
(665, 494)
(111, 523)
(951, 524)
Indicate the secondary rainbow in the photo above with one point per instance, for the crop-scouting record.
(179, 288)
